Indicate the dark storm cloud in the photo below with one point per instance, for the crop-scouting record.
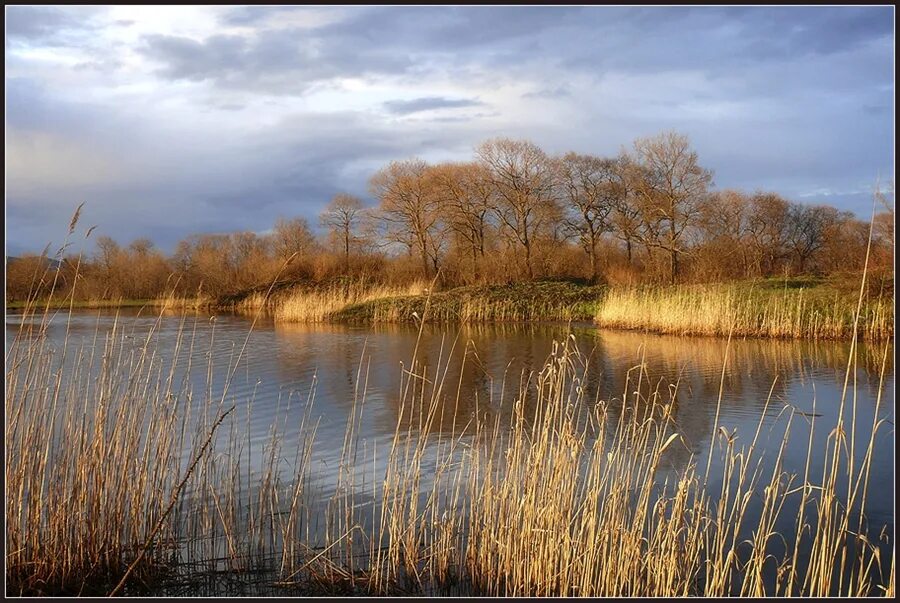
(428, 103)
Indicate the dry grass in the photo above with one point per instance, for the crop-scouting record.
(746, 310)
(318, 304)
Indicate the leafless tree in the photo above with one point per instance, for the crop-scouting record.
(343, 217)
(292, 236)
(465, 197)
(671, 187)
(590, 191)
(766, 227)
(409, 210)
(807, 229)
(524, 183)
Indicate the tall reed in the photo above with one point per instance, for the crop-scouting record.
(743, 311)
(318, 304)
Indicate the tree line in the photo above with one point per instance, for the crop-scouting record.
(513, 212)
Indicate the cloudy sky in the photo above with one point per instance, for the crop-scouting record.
(174, 120)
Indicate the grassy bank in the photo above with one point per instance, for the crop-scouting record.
(311, 302)
(777, 308)
(560, 498)
(536, 301)
(799, 308)
(359, 302)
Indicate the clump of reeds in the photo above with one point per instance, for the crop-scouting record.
(116, 481)
(319, 304)
(744, 311)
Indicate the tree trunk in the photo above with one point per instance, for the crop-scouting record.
(674, 248)
(347, 249)
(674, 265)
(528, 260)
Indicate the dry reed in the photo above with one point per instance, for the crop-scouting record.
(743, 311)
(302, 304)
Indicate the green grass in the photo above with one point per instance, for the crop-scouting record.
(534, 301)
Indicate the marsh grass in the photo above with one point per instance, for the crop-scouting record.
(169, 302)
(747, 309)
(319, 303)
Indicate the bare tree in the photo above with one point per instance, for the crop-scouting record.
(807, 229)
(107, 252)
(626, 216)
(524, 182)
(723, 233)
(343, 216)
(292, 236)
(671, 187)
(409, 210)
(767, 225)
(590, 190)
(465, 197)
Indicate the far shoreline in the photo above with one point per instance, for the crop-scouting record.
(760, 309)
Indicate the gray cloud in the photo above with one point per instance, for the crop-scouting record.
(429, 103)
(284, 61)
(49, 25)
(556, 92)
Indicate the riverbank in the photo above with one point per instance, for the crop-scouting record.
(361, 303)
(799, 308)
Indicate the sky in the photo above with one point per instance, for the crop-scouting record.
(170, 121)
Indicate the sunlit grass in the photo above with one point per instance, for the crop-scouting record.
(745, 310)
